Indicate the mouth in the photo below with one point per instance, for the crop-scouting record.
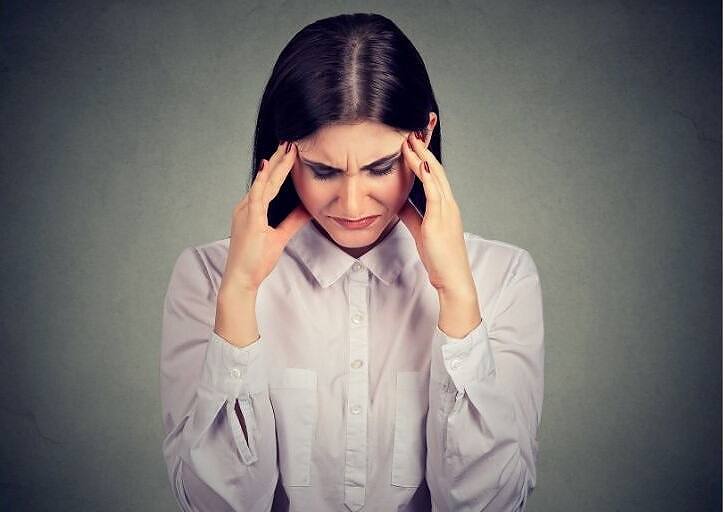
(357, 223)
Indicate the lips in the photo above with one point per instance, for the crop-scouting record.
(358, 224)
(355, 220)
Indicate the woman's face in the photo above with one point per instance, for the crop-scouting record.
(353, 191)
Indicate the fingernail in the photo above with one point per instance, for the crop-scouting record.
(289, 146)
(410, 144)
(427, 166)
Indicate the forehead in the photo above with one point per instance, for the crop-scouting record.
(366, 141)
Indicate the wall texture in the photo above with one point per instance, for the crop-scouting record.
(588, 133)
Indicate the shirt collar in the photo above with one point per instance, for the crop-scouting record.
(327, 262)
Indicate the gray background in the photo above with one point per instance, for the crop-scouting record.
(588, 133)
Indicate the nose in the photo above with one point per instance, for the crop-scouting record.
(351, 192)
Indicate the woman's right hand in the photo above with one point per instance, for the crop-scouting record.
(255, 247)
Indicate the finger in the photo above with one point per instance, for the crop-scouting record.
(408, 159)
(258, 184)
(278, 155)
(270, 165)
(412, 219)
(436, 168)
(417, 150)
(255, 198)
(418, 161)
(424, 154)
(279, 172)
(433, 196)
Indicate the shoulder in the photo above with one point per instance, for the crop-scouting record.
(495, 257)
(214, 253)
(205, 261)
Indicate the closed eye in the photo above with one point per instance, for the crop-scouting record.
(375, 172)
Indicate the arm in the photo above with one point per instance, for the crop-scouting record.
(486, 392)
(213, 464)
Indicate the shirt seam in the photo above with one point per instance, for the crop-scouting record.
(509, 278)
(205, 268)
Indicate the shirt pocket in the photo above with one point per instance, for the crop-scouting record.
(293, 395)
(409, 450)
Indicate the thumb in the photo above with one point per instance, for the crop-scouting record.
(292, 223)
(413, 220)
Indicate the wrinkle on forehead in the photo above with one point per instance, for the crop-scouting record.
(308, 144)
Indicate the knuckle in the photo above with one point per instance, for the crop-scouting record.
(241, 204)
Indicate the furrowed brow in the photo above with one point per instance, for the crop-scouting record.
(372, 165)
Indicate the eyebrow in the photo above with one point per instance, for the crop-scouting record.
(377, 163)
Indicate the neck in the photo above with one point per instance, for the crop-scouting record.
(357, 252)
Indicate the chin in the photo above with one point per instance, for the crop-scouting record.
(353, 238)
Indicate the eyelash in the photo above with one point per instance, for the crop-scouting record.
(376, 172)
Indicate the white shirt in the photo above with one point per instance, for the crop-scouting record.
(353, 398)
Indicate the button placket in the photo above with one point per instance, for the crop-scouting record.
(355, 474)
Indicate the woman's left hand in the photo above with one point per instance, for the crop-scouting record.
(439, 235)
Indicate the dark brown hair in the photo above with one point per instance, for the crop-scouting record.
(344, 69)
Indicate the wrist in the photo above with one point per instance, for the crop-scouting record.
(234, 291)
(459, 310)
(459, 295)
(236, 316)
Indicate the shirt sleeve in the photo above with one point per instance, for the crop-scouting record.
(486, 392)
(204, 378)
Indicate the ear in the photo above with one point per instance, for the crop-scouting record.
(432, 121)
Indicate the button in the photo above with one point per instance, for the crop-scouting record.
(356, 409)
(356, 363)
(357, 318)
(455, 363)
(236, 373)
(356, 267)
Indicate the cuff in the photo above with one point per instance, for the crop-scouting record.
(462, 360)
(234, 371)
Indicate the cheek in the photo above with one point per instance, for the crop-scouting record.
(311, 194)
(397, 189)
(392, 194)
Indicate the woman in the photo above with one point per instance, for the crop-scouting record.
(314, 363)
